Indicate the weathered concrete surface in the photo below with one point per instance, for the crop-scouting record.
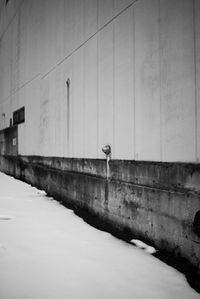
(134, 70)
(9, 141)
(157, 202)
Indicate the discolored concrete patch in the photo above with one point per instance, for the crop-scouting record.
(5, 217)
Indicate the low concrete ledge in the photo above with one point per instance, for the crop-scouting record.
(157, 202)
(179, 177)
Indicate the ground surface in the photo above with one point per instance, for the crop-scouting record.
(47, 252)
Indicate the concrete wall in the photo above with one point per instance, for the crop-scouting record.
(134, 77)
(156, 202)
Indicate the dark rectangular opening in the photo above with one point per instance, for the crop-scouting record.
(19, 116)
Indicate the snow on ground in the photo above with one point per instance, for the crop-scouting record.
(47, 252)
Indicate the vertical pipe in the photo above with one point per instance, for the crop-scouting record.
(68, 114)
(107, 181)
(107, 167)
(107, 151)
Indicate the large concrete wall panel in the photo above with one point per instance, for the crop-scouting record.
(77, 86)
(90, 18)
(91, 98)
(74, 25)
(15, 56)
(105, 88)
(124, 86)
(44, 117)
(2, 69)
(60, 27)
(49, 32)
(120, 5)
(78, 23)
(59, 112)
(105, 12)
(33, 37)
(23, 41)
(149, 60)
(7, 40)
(53, 121)
(57, 32)
(147, 81)
(28, 132)
(7, 13)
(29, 48)
(68, 105)
(68, 27)
(177, 80)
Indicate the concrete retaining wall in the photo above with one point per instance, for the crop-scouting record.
(156, 202)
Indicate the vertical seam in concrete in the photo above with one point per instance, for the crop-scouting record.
(63, 115)
(134, 100)
(55, 119)
(68, 117)
(97, 16)
(195, 79)
(160, 49)
(83, 101)
(97, 99)
(70, 113)
(83, 82)
(113, 116)
(72, 108)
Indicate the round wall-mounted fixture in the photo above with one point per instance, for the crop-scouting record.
(106, 149)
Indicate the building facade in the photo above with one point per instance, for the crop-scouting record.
(76, 75)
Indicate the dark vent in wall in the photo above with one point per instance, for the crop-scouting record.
(19, 116)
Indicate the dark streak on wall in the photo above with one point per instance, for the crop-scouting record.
(156, 202)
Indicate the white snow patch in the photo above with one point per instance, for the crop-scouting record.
(41, 192)
(142, 245)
